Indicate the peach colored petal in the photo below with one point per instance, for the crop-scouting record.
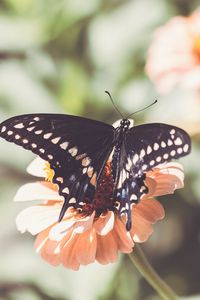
(168, 178)
(59, 230)
(84, 224)
(123, 239)
(151, 184)
(104, 224)
(37, 218)
(36, 167)
(48, 253)
(36, 191)
(68, 253)
(41, 239)
(149, 209)
(141, 229)
(107, 249)
(86, 247)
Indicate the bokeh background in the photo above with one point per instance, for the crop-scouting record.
(60, 56)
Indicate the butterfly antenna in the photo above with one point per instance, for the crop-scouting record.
(111, 99)
(142, 109)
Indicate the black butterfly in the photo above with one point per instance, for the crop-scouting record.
(78, 149)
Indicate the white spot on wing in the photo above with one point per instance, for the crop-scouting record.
(19, 126)
(34, 145)
(158, 159)
(10, 132)
(142, 153)
(64, 145)
(135, 158)
(47, 135)
(73, 151)
(185, 148)
(178, 141)
(17, 136)
(59, 179)
(152, 162)
(30, 128)
(86, 161)
(133, 197)
(163, 144)
(65, 190)
(72, 200)
(50, 156)
(56, 140)
(149, 149)
(179, 150)
(173, 153)
(172, 131)
(25, 141)
(144, 167)
(3, 129)
(156, 146)
(165, 156)
(36, 119)
(169, 142)
(38, 132)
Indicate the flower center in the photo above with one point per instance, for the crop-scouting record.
(196, 47)
(103, 197)
(49, 172)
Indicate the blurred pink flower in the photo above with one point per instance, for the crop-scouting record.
(81, 238)
(174, 56)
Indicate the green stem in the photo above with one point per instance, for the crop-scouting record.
(139, 260)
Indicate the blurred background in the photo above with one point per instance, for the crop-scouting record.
(60, 56)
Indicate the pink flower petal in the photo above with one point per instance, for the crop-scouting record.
(104, 224)
(107, 249)
(36, 191)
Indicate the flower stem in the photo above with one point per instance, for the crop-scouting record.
(139, 260)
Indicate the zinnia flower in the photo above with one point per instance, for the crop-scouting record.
(80, 239)
(174, 56)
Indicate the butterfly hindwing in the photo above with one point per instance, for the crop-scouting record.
(76, 148)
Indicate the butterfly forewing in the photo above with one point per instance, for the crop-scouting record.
(76, 148)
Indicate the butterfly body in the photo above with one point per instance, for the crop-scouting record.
(79, 150)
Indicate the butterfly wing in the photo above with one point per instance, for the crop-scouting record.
(145, 147)
(76, 148)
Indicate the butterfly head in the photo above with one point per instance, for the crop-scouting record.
(125, 123)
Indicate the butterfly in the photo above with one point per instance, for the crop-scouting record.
(78, 149)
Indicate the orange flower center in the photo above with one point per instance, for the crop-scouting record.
(103, 198)
(196, 47)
